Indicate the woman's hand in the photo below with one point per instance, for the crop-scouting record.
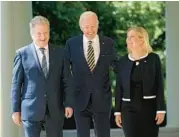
(118, 120)
(159, 118)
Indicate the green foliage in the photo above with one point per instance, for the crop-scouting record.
(149, 15)
(114, 19)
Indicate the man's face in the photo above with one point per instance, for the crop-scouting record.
(40, 35)
(89, 26)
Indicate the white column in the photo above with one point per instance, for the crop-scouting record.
(15, 17)
(172, 62)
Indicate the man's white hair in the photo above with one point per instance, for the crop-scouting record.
(38, 20)
(85, 14)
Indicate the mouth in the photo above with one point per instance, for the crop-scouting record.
(90, 33)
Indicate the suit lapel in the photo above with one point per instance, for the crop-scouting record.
(50, 60)
(126, 73)
(101, 46)
(32, 47)
(81, 52)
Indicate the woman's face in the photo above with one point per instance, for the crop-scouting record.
(134, 41)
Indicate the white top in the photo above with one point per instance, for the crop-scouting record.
(40, 55)
(95, 45)
(132, 59)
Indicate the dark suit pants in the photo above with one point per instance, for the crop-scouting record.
(53, 127)
(101, 122)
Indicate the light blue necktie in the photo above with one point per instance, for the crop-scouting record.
(44, 62)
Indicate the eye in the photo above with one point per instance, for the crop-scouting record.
(38, 34)
(129, 37)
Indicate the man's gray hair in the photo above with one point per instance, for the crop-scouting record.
(38, 20)
(85, 14)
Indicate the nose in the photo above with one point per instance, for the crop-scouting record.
(90, 29)
(42, 36)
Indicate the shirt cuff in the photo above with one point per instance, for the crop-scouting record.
(117, 113)
(161, 112)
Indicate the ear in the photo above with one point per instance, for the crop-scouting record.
(81, 27)
(32, 36)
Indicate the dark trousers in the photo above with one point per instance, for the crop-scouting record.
(101, 122)
(138, 116)
(53, 127)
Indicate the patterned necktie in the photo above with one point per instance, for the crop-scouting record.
(44, 62)
(90, 56)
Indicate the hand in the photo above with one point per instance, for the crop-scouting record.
(118, 120)
(68, 112)
(16, 117)
(159, 118)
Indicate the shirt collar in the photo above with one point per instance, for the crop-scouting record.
(129, 56)
(86, 40)
(37, 48)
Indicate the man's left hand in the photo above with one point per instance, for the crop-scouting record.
(68, 112)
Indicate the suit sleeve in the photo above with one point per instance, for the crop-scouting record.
(67, 78)
(114, 59)
(17, 83)
(160, 87)
(118, 92)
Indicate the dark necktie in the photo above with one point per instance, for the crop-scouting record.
(44, 62)
(90, 56)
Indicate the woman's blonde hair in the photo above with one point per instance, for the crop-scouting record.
(143, 34)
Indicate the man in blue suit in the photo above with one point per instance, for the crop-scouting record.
(39, 84)
(90, 56)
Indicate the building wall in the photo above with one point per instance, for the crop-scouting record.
(15, 17)
(172, 62)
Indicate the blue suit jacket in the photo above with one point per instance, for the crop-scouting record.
(31, 91)
(84, 83)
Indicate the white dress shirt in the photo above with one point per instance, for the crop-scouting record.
(95, 45)
(40, 55)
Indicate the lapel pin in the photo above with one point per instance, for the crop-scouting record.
(137, 63)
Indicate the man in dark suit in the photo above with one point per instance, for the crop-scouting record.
(90, 56)
(39, 84)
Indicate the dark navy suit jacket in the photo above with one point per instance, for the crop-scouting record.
(31, 90)
(84, 83)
